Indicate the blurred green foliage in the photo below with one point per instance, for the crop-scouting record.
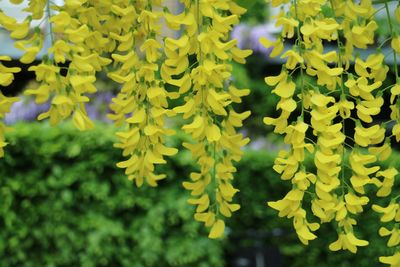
(64, 203)
(257, 11)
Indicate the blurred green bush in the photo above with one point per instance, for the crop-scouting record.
(64, 203)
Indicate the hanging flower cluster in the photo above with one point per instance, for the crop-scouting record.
(333, 99)
(125, 39)
(142, 104)
(207, 94)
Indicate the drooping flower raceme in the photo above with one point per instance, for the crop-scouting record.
(212, 121)
(333, 98)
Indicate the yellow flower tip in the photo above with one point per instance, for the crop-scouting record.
(30, 55)
(81, 121)
(6, 79)
(393, 260)
(396, 44)
(21, 30)
(337, 245)
(217, 230)
(213, 133)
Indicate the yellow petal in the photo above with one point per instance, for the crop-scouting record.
(217, 230)
(213, 133)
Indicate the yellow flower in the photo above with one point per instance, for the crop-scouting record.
(388, 213)
(393, 260)
(362, 88)
(151, 47)
(7, 73)
(361, 36)
(20, 31)
(369, 136)
(60, 21)
(323, 209)
(217, 230)
(285, 87)
(286, 165)
(325, 28)
(345, 107)
(303, 180)
(81, 120)
(394, 234)
(347, 241)
(367, 108)
(289, 204)
(7, 22)
(304, 228)
(78, 35)
(46, 73)
(354, 203)
(30, 55)
(395, 91)
(280, 122)
(372, 68)
(396, 44)
(59, 49)
(294, 58)
(388, 181)
(383, 152)
(288, 24)
(277, 46)
(396, 131)
(83, 84)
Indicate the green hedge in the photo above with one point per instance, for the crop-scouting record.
(64, 203)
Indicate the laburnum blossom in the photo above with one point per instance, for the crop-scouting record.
(7, 73)
(142, 103)
(329, 94)
(389, 214)
(361, 174)
(284, 87)
(208, 95)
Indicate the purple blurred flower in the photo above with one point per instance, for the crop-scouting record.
(241, 34)
(256, 33)
(248, 37)
(25, 110)
(97, 108)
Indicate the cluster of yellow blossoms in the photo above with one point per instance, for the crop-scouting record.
(335, 98)
(212, 120)
(125, 39)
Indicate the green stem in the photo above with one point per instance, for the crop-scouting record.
(48, 10)
(199, 24)
(392, 32)
(376, 2)
(384, 42)
(300, 41)
(340, 65)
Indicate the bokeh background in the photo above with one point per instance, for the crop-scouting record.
(63, 202)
